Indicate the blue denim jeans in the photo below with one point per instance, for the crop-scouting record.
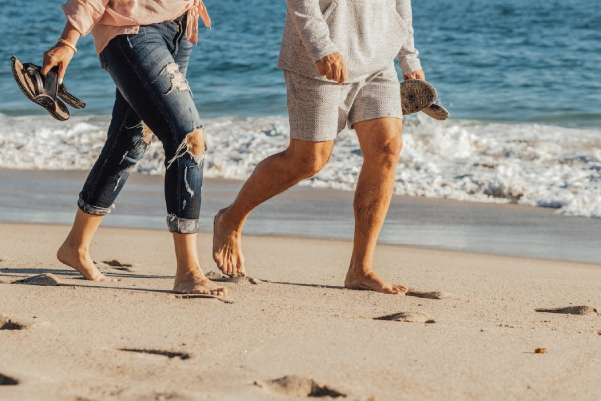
(149, 69)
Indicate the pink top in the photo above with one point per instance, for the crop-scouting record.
(109, 18)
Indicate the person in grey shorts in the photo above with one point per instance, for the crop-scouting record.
(338, 61)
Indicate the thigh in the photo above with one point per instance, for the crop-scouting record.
(380, 136)
(150, 80)
(379, 97)
(314, 108)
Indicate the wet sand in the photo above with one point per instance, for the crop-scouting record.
(134, 340)
(51, 196)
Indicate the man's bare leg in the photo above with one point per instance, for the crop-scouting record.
(274, 175)
(381, 146)
(75, 251)
(189, 278)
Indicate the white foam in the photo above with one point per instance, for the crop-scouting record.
(527, 164)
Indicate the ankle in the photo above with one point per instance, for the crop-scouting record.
(188, 272)
(231, 223)
(75, 246)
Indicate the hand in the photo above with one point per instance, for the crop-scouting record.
(419, 74)
(59, 55)
(333, 67)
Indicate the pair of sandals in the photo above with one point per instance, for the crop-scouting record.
(44, 90)
(418, 95)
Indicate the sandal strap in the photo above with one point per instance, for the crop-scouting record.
(51, 84)
(34, 71)
(69, 98)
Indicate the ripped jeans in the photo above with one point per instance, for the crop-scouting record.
(153, 97)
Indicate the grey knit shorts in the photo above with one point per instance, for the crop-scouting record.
(319, 110)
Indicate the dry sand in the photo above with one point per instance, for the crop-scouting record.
(134, 340)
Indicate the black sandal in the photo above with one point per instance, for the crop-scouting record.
(44, 90)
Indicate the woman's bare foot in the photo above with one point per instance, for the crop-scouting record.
(81, 261)
(368, 280)
(227, 247)
(195, 282)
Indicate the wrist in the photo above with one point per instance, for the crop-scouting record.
(66, 43)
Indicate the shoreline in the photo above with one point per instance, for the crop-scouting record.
(483, 228)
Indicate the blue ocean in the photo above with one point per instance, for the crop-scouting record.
(522, 80)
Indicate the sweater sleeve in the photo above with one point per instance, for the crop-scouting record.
(408, 56)
(312, 27)
(84, 14)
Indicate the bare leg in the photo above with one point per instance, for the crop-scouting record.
(381, 145)
(75, 250)
(189, 278)
(272, 176)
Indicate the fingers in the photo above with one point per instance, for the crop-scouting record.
(343, 73)
(48, 64)
(62, 68)
(329, 72)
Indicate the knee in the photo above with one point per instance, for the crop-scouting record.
(196, 141)
(307, 165)
(387, 149)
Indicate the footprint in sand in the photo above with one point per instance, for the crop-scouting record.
(169, 354)
(46, 279)
(296, 386)
(7, 381)
(7, 323)
(572, 310)
(428, 294)
(215, 276)
(116, 264)
(408, 317)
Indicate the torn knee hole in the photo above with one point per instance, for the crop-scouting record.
(147, 132)
(196, 142)
(178, 81)
(193, 145)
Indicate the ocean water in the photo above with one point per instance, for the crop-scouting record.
(522, 80)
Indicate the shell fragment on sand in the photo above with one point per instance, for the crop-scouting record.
(408, 317)
(582, 310)
(297, 386)
(46, 279)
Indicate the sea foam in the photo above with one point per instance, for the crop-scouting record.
(525, 164)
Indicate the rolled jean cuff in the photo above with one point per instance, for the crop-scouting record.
(93, 210)
(182, 226)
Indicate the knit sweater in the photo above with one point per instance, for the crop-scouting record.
(369, 34)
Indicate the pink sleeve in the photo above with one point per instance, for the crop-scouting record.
(84, 14)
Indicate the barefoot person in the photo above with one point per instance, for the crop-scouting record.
(145, 46)
(338, 62)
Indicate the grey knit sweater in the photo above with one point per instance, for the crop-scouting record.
(368, 33)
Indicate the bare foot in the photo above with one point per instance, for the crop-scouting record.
(227, 247)
(195, 282)
(80, 261)
(372, 282)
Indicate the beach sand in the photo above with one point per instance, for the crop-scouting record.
(68, 342)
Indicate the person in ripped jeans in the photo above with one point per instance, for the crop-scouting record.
(145, 46)
(338, 61)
